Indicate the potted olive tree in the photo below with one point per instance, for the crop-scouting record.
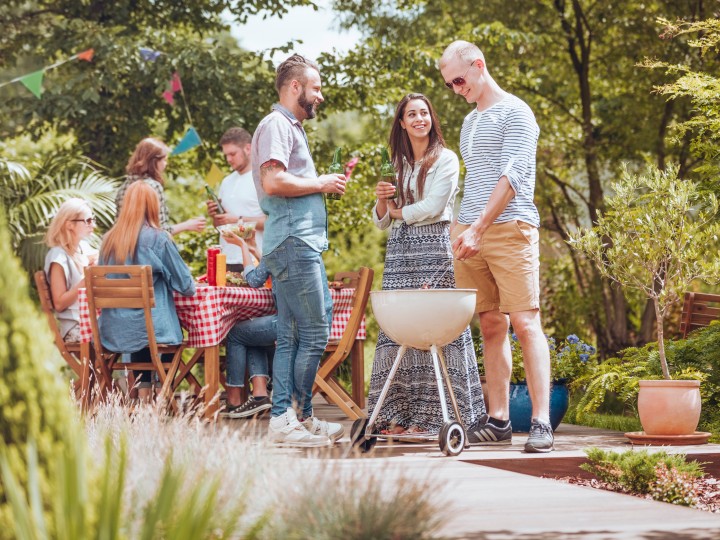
(658, 235)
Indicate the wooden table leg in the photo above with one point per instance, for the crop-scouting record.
(357, 368)
(85, 377)
(212, 380)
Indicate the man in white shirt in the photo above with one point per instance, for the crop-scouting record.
(237, 194)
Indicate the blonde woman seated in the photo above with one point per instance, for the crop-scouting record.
(136, 238)
(66, 260)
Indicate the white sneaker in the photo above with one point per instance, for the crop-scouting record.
(327, 429)
(286, 430)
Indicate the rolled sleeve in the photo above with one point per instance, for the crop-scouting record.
(275, 141)
(441, 186)
(518, 151)
(256, 276)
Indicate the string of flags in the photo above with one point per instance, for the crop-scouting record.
(33, 81)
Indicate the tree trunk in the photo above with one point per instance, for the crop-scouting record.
(661, 339)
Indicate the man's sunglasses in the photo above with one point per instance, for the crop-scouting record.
(88, 221)
(460, 81)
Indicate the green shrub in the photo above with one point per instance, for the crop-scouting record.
(34, 400)
(356, 505)
(665, 476)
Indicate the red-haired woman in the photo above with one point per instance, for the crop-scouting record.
(148, 163)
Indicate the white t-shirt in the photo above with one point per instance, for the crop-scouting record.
(239, 197)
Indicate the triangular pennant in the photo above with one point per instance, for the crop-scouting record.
(148, 54)
(214, 176)
(190, 140)
(33, 82)
(86, 55)
(169, 97)
(175, 84)
(349, 166)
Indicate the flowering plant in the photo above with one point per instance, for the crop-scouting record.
(570, 358)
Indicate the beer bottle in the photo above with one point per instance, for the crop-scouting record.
(387, 172)
(336, 168)
(214, 198)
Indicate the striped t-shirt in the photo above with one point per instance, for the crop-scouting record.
(500, 141)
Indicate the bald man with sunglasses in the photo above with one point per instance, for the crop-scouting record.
(495, 242)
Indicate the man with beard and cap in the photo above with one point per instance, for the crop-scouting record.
(291, 195)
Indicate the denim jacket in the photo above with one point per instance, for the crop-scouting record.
(123, 330)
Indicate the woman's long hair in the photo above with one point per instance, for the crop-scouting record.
(141, 206)
(402, 154)
(145, 158)
(58, 233)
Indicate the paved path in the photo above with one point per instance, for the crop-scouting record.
(483, 502)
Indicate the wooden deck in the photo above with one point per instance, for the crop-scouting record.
(485, 497)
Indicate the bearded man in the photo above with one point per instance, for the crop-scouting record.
(291, 195)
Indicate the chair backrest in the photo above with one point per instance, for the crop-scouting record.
(130, 287)
(699, 309)
(362, 282)
(43, 288)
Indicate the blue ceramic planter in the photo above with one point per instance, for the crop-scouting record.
(521, 408)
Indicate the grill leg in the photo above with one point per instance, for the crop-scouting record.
(386, 387)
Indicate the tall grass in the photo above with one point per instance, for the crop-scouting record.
(142, 474)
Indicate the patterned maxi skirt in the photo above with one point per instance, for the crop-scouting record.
(419, 255)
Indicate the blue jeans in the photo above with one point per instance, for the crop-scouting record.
(248, 344)
(304, 317)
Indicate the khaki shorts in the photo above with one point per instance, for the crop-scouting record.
(506, 270)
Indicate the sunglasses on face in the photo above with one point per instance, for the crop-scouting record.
(460, 81)
(88, 221)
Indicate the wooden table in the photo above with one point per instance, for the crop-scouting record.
(211, 312)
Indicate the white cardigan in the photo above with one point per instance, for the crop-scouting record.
(441, 187)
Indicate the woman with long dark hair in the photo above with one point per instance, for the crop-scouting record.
(419, 255)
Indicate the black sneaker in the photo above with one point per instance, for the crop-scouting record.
(541, 437)
(252, 407)
(483, 433)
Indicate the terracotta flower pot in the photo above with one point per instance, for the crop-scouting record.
(669, 407)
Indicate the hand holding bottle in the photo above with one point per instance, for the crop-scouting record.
(337, 170)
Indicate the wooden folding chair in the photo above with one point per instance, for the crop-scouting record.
(338, 351)
(130, 287)
(70, 351)
(699, 310)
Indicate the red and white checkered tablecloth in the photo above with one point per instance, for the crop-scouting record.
(209, 315)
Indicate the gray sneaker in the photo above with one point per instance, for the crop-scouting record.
(541, 437)
(483, 433)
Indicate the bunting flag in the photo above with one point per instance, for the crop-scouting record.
(214, 176)
(190, 140)
(175, 84)
(86, 55)
(148, 54)
(33, 82)
(349, 166)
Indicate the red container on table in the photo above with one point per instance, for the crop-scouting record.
(212, 253)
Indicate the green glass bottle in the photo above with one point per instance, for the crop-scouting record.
(387, 172)
(214, 198)
(336, 168)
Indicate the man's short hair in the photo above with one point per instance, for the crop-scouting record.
(236, 135)
(293, 68)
